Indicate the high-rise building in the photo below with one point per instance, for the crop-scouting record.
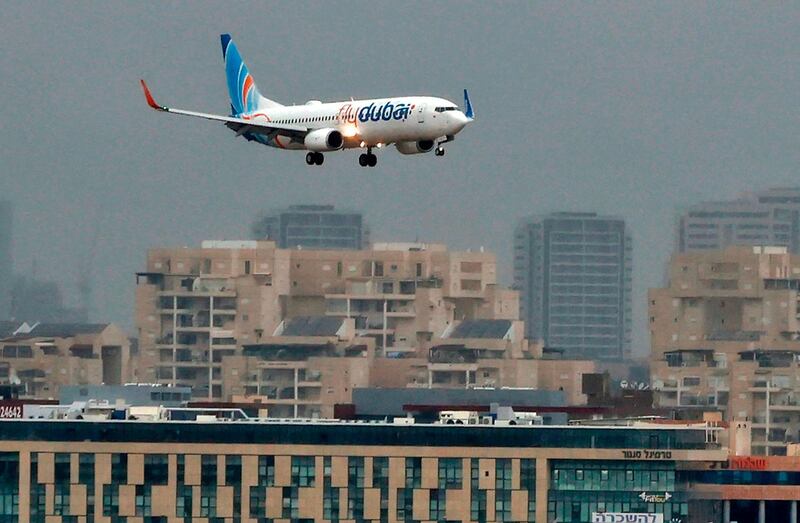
(573, 271)
(725, 336)
(34, 300)
(313, 227)
(6, 259)
(765, 218)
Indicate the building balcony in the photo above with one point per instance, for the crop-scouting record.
(787, 405)
(170, 311)
(193, 328)
(401, 314)
(183, 293)
(763, 387)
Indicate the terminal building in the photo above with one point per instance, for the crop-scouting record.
(256, 471)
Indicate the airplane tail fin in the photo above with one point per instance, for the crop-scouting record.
(242, 89)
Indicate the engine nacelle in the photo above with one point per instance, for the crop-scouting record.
(421, 146)
(324, 140)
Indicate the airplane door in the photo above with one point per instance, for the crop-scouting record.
(421, 114)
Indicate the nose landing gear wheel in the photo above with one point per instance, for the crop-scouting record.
(439, 151)
(363, 160)
(373, 160)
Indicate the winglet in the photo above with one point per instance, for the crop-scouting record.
(149, 97)
(468, 112)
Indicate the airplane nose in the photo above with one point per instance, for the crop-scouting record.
(459, 120)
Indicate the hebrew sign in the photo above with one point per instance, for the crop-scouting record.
(626, 517)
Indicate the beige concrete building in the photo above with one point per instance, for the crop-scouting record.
(726, 336)
(298, 329)
(45, 356)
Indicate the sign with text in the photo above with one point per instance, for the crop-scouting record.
(626, 517)
(655, 498)
(11, 409)
(747, 463)
(647, 454)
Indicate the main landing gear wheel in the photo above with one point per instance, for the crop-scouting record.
(314, 158)
(367, 159)
(439, 151)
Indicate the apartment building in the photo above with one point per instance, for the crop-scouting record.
(198, 306)
(573, 271)
(725, 336)
(308, 366)
(770, 217)
(47, 356)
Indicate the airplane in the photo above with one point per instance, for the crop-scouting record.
(414, 124)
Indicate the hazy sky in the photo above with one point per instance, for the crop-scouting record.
(633, 109)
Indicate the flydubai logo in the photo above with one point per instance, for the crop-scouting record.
(375, 113)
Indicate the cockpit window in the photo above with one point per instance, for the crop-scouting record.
(443, 109)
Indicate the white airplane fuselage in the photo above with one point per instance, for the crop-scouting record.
(364, 123)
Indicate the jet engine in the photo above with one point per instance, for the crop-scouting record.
(421, 146)
(324, 140)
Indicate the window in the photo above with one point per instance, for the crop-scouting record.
(208, 500)
(233, 470)
(156, 469)
(303, 471)
(258, 502)
(208, 471)
(527, 474)
(413, 472)
(437, 504)
(502, 474)
(502, 505)
(405, 504)
(450, 473)
(183, 503)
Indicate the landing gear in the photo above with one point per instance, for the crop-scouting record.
(368, 159)
(439, 149)
(314, 158)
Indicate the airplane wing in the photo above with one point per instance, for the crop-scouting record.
(240, 125)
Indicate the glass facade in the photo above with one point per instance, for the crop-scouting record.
(312, 227)
(574, 273)
(9, 487)
(378, 435)
(578, 488)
